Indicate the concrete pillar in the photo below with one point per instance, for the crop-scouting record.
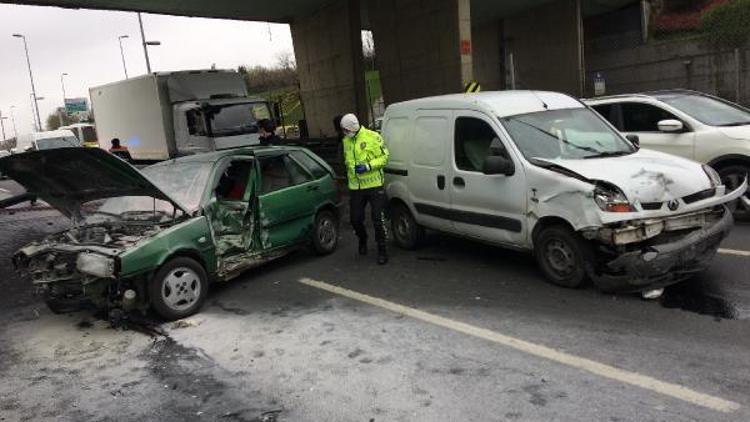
(328, 51)
(547, 47)
(488, 55)
(423, 46)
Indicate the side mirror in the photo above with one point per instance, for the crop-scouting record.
(634, 140)
(670, 125)
(496, 164)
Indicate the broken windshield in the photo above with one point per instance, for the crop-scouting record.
(184, 182)
(564, 134)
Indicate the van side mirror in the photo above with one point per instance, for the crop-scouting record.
(495, 164)
(670, 125)
(634, 140)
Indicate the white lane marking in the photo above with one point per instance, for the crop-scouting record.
(735, 252)
(633, 378)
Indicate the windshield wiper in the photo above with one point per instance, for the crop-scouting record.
(605, 154)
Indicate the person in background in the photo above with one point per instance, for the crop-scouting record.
(365, 157)
(268, 133)
(120, 150)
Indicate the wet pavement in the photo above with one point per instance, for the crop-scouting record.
(267, 347)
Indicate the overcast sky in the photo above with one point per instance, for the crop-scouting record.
(83, 43)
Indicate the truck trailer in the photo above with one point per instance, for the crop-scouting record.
(164, 115)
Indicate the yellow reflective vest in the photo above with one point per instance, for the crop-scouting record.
(366, 147)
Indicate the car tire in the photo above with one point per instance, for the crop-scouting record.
(732, 177)
(407, 233)
(562, 255)
(178, 289)
(325, 236)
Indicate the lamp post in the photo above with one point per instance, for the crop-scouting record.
(122, 54)
(146, 43)
(2, 124)
(35, 112)
(62, 111)
(31, 78)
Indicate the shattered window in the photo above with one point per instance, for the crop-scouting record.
(233, 182)
(185, 182)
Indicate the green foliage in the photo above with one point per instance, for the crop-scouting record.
(728, 24)
(53, 120)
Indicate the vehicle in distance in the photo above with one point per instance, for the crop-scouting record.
(689, 124)
(85, 132)
(158, 237)
(37, 141)
(539, 171)
(165, 115)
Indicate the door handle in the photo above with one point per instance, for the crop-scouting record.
(441, 182)
(459, 182)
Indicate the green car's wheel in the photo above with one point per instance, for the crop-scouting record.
(179, 288)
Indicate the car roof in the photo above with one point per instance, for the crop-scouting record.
(499, 103)
(213, 156)
(646, 95)
(51, 134)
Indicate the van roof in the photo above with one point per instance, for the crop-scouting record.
(51, 134)
(499, 103)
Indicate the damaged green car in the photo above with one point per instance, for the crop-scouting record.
(159, 236)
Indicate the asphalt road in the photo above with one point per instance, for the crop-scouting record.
(454, 331)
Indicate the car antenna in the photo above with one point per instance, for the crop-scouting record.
(546, 107)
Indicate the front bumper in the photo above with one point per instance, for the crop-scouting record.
(664, 264)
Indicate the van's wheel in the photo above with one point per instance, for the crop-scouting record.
(178, 289)
(732, 177)
(406, 232)
(325, 233)
(562, 255)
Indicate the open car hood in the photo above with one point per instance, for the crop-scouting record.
(65, 178)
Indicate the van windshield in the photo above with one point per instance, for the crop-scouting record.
(565, 134)
(59, 142)
(236, 119)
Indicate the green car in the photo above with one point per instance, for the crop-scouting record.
(159, 236)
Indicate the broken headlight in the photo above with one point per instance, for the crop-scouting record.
(713, 176)
(611, 199)
(97, 265)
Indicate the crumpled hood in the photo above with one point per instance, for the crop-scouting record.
(65, 178)
(645, 176)
(736, 132)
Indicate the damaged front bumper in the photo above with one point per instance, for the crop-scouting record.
(662, 264)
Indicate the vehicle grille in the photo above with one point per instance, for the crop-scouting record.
(698, 196)
(651, 206)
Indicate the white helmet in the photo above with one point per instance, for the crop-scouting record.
(349, 125)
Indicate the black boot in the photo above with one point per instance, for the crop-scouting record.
(382, 256)
(362, 246)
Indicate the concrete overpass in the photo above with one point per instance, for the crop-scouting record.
(424, 47)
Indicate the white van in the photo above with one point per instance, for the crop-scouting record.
(85, 132)
(51, 139)
(542, 172)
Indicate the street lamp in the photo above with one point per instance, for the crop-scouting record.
(122, 54)
(2, 124)
(146, 43)
(35, 111)
(62, 111)
(31, 78)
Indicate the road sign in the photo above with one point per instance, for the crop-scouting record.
(600, 84)
(76, 105)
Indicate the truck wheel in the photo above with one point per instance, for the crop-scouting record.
(562, 255)
(406, 232)
(325, 233)
(732, 177)
(178, 289)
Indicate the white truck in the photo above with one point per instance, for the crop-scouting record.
(164, 115)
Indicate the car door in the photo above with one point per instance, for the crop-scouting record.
(486, 207)
(428, 170)
(231, 207)
(288, 196)
(642, 119)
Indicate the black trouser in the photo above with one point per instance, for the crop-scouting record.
(358, 201)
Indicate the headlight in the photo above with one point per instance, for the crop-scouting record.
(96, 265)
(713, 176)
(611, 200)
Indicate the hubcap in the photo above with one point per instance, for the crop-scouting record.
(403, 227)
(560, 257)
(181, 288)
(327, 232)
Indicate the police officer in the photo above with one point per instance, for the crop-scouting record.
(365, 157)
